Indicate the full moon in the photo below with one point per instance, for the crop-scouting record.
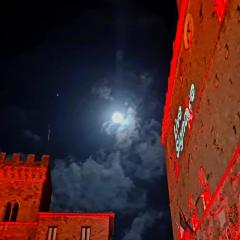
(117, 118)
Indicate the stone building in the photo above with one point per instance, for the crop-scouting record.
(25, 195)
(201, 125)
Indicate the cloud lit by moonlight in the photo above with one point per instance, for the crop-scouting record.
(117, 118)
(124, 126)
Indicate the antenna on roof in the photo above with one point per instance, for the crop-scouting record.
(49, 133)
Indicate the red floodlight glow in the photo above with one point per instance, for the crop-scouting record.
(18, 223)
(219, 187)
(220, 8)
(177, 46)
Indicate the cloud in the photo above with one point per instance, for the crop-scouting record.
(30, 135)
(95, 186)
(109, 180)
(150, 153)
(103, 91)
(126, 132)
(139, 140)
(146, 80)
(140, 224)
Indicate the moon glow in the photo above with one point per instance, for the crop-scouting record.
(117, 118)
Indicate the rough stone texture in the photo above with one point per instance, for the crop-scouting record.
(212, 63)
(28, 183)
(69, 227)
(22, 181)
(18, 231)
(179, 3)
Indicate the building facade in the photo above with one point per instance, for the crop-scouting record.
(201, 125)
(25, 195)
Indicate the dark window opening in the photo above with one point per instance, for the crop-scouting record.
(14, 212)
(7, 212)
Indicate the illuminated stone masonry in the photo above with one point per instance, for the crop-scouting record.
(201, 137)
(25, 194)
(221, 219)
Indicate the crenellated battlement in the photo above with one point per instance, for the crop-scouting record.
(18, 160)
(23, 169)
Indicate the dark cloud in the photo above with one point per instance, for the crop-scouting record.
(28, 133)
(140, 224)
(146, 80)
(93, 186)
(103, 91)
(111, 176)
(20, 131)
(110, 181)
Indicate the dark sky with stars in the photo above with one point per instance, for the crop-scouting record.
(65, 68)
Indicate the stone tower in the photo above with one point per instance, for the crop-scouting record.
(25, 189)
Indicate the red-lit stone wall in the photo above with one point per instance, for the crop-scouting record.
(28, 183)
(69, 225)
(203, 180)
(22, 181)
(179, 4)
(18, 231)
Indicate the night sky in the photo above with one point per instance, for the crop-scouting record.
(65, 70)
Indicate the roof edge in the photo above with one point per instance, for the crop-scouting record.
(75, 214)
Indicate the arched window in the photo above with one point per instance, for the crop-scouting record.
(14, 212)
(11, 212)
(7, 212)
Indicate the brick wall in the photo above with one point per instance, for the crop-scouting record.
(18, 231)
(69, 225)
